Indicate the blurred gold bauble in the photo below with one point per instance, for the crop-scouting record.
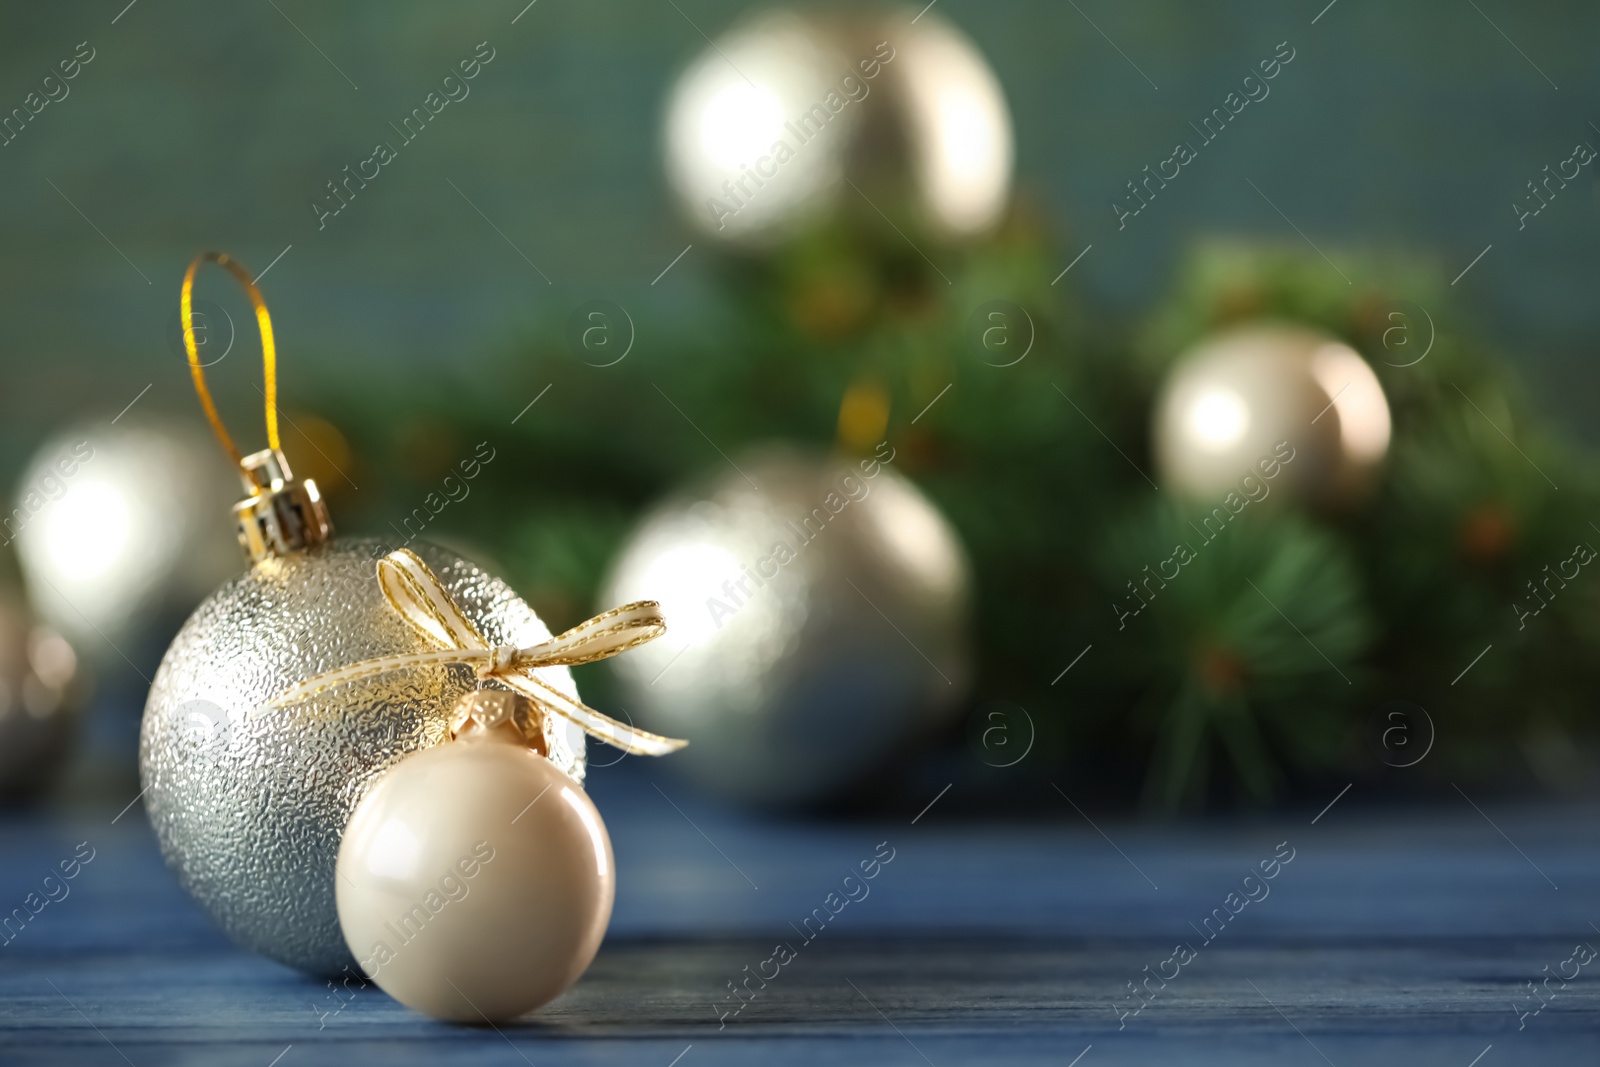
(1231, 401)
(40, 692)
(322, 454)
(249, 811)
(121, 527)
(769, 127)
(816, 624)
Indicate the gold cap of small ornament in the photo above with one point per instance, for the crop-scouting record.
(498, 712)
(282, 514)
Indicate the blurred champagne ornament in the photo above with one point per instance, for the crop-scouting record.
(120, 531)
(769, 127)
(248, 809)
(817, 615)
(40, 692)
(1230, 402)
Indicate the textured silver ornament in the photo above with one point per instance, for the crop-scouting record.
(768, 127)
(1230, 402)
(249, 812)
(816, 624)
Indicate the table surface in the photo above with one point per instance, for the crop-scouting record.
(1390, 937)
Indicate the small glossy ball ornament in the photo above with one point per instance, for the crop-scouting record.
(768, 127)
(248, 810)
(816, 624)
(40, 694)
(123, 529)
(1235, 400)
(475, 880)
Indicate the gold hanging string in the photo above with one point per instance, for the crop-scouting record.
(269, 354)
(416, 593)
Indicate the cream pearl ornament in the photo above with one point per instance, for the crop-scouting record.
(475, 880)
(1264, 392)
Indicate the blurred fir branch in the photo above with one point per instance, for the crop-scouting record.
(1225, 678)
(847, 336)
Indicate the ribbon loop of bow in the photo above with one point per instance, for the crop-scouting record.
(424, 603)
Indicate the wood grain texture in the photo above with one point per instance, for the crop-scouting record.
(1387, 939)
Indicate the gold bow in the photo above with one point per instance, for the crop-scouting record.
(422, 601)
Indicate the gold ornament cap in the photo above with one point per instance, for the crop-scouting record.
(500, 714)
(283, 514)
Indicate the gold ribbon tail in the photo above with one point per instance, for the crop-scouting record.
(602, 727)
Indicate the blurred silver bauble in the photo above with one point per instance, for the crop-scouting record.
(40, 693)
(1230, 401)
(816, 624)
(249, 812)
(118, 527)
(769, 127)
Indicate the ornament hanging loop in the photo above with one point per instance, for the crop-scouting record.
(281, 514)
(269, 352)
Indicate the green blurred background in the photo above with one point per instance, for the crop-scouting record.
(1410, 124)
(412, 326)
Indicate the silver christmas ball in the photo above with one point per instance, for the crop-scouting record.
(1237, 404)
(769, 127)
(816, 624)
(40, 697)
(118, 527)
(249, 811)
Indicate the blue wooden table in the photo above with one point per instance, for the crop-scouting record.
(1381, 937)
